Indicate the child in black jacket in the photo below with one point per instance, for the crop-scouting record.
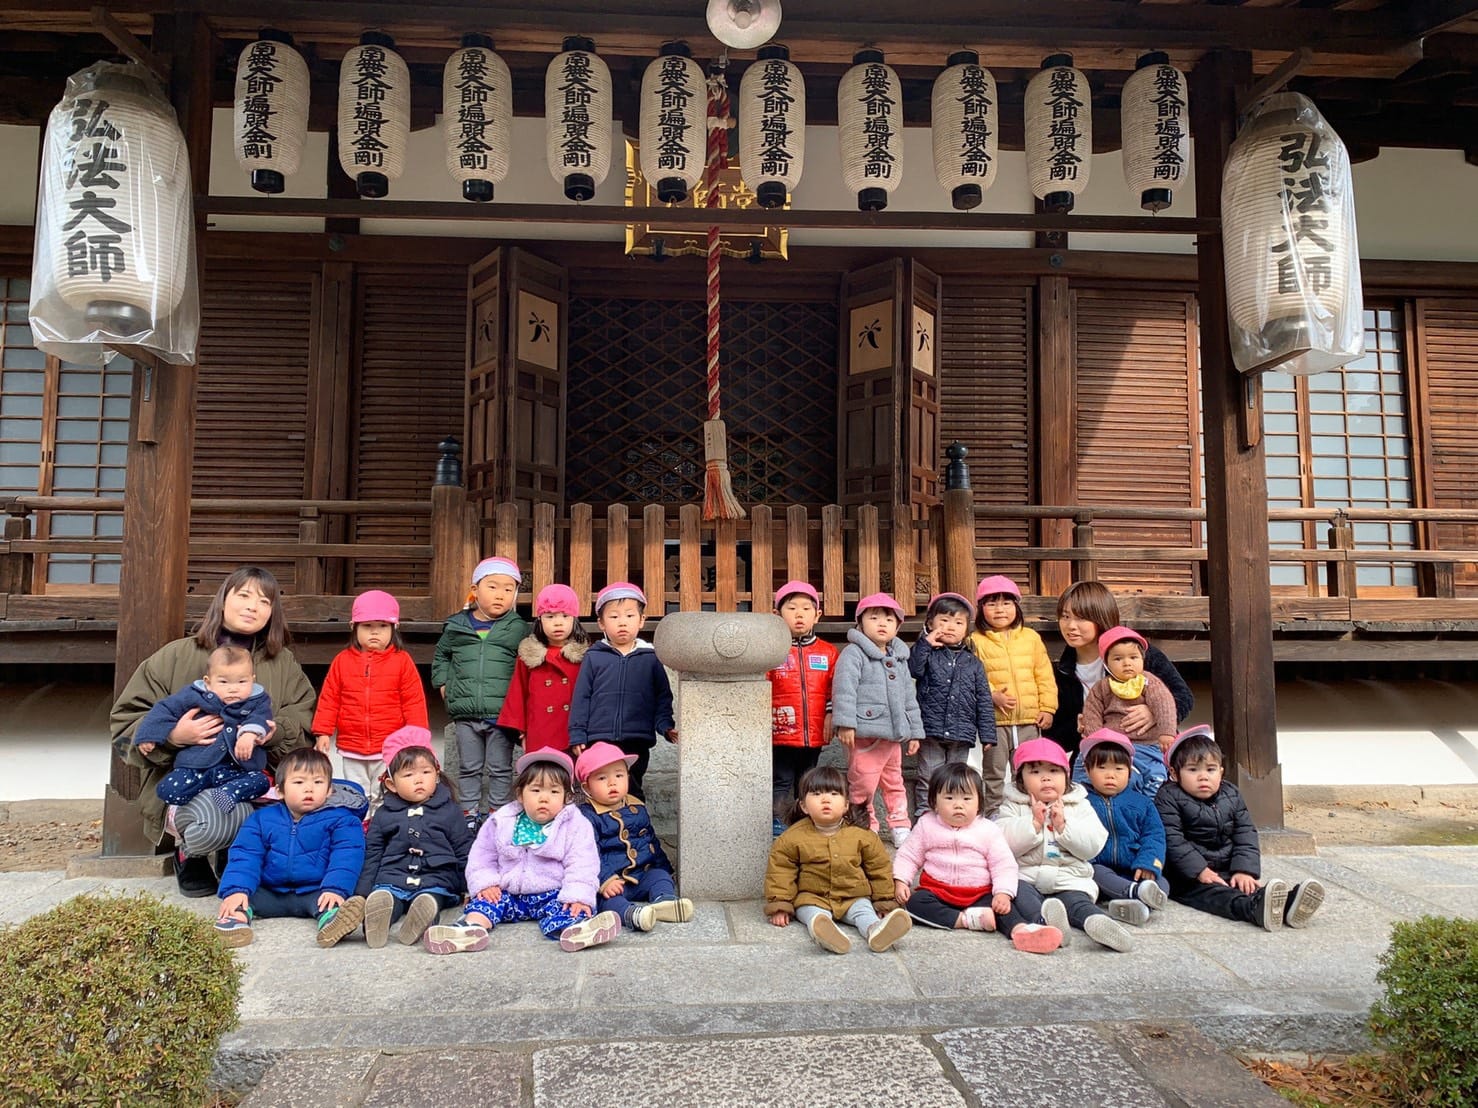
(416, 847)
(1212, 856)
(954, 695)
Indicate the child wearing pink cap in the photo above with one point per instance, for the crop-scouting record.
(372, 689)
(800, 697)
(1125, 684)
(471, 669)
(954, 695)
(876, 711)
(538, 702)
(1023, 688)
(622, 695)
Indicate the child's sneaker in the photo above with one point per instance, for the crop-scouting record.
(1303, 901)
(420, 915)
(827, 935)
(1105, 932)
(456, 938)
(900, 835)
(1133, 912)
(235, 932)
(1274, 899)
(888, 930)
(640, 917)
(335, 923)
(1054, 915)
(1036, 938)
(1150, 894)
(677, 910)
(379, 906)
(592, 931)
(978, 919)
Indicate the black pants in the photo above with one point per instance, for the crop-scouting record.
(926, 907)
(789, 764)
(1221, 900)
(443, 901)
(1079, 907)
(638, 770)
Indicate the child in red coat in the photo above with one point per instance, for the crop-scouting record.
(372, 689)
(538, 701)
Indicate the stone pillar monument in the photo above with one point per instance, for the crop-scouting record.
(723, 722)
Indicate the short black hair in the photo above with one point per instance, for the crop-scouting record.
(946, 606)
(1193, 749)
(821, 779)
(545, 771)
(305, 760)
(1107, 754)
(956, 777)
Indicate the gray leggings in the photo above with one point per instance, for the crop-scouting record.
(860, 914)
(484, 749)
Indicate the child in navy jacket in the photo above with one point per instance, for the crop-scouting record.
(1128, 868)
(954, 695)
(300, 857)
(622, 695)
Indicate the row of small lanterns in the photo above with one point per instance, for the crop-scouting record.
(477, 112)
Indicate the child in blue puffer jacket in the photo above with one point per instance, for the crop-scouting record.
(300, 857)
(1128, 869)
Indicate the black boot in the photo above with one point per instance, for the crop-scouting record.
(195, 877)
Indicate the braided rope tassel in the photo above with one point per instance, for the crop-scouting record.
(718, 491)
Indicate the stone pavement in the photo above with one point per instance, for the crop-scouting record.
(728, 1008)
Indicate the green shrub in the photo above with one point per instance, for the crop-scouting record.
(1427, 1021)
(119, 1000)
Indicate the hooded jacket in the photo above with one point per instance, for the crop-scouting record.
(800, 694)
(367, 695)
(566, 860)
(417, 847)
(1136, 836)
(954, 696)
(1016, 661)
(251, 715)
(321, 851)
(1077, 844)
(539, 696)
(1217, 833)
(827, 871)
(620, 698)
(874, 691)
(475, 669)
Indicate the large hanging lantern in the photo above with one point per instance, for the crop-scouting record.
(577, 118)
(114, 258)
(1294, 299)
(374, 114)
(674, 123)
(772, 126)
(1059, 133)
(1156, 141)
(271, 113)
(965, 129)
(870, 129)
(477, 117)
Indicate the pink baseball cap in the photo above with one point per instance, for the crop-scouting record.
(619, 590)
(880, 600)
(794, 588)
(1119, 634)
(1039, 750)
(597, 755)
(409, 735)
(1202, 730)
(557, 600)
(1106, 736)
(375, 606)
(995, 585)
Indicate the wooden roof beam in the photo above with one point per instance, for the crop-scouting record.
(1427, 17)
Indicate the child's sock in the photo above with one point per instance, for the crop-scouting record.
(222, 800)
(978, 919)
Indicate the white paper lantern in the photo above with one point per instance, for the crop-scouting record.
(1154, 125)
(1059, 133)
(577, 118)
(870, 129)
(964, 124)
(477, 117)
(271, 112)
(674, 123)
(1294, 297)
(374, 113)
(772, 126)
(115, 227)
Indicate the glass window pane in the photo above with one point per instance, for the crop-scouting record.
(67, 573)
(1287, 531)
(27, 430)
(1287, 574)
(1327, 424)
(110, 525)
(20, 453)
(20, 288)
(24, 480)
(1282, 467)
(18, 334)
(1362, 382)
(1372, 534)
(116, 407)
(14, 405)
(114, 430)
(1362, 402)
(1369, 447)
(21, 358)
(113, 453)
(117, 384)
(1330, 466)
(1331, 491)
(1369, 490)
(18, 311)
(1281, 444)
(79, 407)
(105, 571)
(1403, 534)
(1397, 467)
(79, 382)
(1367, 467)
(1403, 575)
(1278, 401)
(71, 525)
(1372, 575)
(74, 479)
(1326, 401)
(77, 453)
(1284, 488)
(1364, 424)
(76, 430)
(1328, 445)
(1399, 492)
(1284, 422)
(110, 480)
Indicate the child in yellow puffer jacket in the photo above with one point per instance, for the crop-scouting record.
(1022, 684)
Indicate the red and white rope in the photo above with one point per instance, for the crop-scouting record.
(718, 159)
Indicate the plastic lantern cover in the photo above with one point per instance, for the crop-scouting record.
(114, 259)
(1294, 299)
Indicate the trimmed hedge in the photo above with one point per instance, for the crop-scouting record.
(117, 1000)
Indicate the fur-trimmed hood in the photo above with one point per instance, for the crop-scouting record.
(533, 652)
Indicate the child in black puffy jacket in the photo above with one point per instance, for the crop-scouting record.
(1212, 857)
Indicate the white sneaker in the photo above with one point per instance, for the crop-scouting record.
(900, 835)
(1054, 915)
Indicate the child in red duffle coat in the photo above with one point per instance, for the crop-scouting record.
(538, 701)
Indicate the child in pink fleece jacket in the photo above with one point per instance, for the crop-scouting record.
(967, 872)
(534, 859)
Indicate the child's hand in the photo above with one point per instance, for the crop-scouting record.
(1002, 698)
(911, 747)
(1209, 876)
(578, 910)
(327, 900)
(1244, 883)
(1145, 875)
(780, 919)
(901, 891)
(491, 894)
(194, 729)
(1058, 817)
(246, 746)
(932, 638)
(846, 736)
(576, 751)
(612, 886)
(1039, 814)
(321, 743)
(1000, 904)
(1165, 741)
(1044, 720)
(1138, 719)
(442, 691)
(671, 734)
(233, 904)
(146, 748)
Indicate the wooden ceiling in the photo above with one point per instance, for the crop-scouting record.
(1386, 72)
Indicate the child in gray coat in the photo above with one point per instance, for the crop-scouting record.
(876, 711)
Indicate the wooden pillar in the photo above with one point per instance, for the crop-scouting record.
(1242, 676)
(161, 444)
(1056, 425)
(958, 554)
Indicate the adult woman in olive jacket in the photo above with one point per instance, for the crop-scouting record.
(1085, 611)
(245, 612)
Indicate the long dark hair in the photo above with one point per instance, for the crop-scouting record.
(577, 633)
(272, 638)
(409, 755)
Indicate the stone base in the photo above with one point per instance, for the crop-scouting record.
(119, 865)
(1284, 842)
(1263, 796)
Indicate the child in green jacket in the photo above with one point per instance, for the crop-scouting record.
(471, 669)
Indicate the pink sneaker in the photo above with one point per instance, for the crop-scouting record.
(592, 931)
(1036, 938)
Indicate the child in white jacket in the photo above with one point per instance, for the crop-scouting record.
(1055, 835)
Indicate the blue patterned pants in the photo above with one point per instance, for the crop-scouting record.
(182, 785)
(551, 915)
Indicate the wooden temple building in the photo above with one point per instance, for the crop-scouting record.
(344, 341)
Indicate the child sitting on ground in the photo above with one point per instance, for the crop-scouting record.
(416, 845)
(825, 867)
(1128, 869)
(1124, 685)
(299, 857)
(635, 875)
(534, 859)
(233, 766)
(622, 695)
(967, 874)
(1054, 833)
(538, 702)
(1212, 856)
(876, 711)
(800, 698)
(954, 696)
